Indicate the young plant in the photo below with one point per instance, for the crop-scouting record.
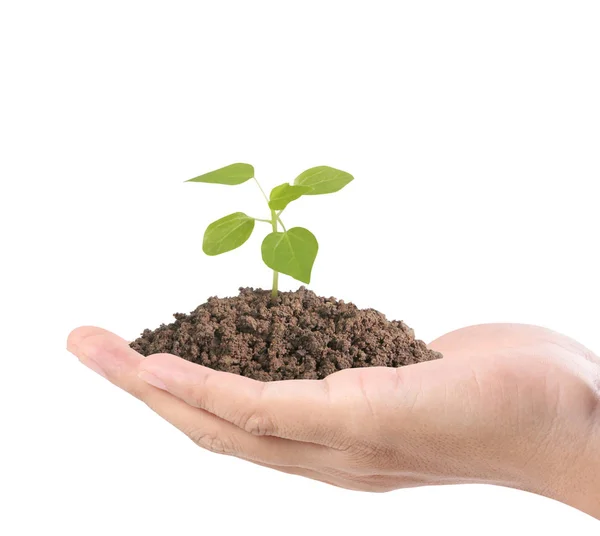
(291, 252)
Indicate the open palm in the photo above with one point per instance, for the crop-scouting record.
(508, 404)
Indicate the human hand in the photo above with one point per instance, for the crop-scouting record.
(509, 404)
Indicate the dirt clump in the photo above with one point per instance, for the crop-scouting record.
(297, 336)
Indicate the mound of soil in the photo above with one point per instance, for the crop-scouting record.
(298, 336)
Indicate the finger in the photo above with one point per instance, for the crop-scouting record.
(342, 479)
(222, 437)
(92, 345)
(302, 410)
(116, 361)
(307, 473)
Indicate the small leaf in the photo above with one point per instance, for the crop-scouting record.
(284, 194)
(323, 180)
(227, 233)
(292, 252)
(232, 175)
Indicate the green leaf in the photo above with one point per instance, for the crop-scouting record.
(292, 253)
(284, 194)
(232, 175)
(323, 180)
(227, 233)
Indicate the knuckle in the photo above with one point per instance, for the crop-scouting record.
(197, 396)
(196, 399)
(211, 442)
(258, 424)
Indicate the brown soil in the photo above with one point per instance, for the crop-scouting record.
(300, 335)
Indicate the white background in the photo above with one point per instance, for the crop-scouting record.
(472, 129)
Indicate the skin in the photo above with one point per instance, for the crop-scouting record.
(511, 405)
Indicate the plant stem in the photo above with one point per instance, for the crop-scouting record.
(274, 219)
(261, 190)
(273, 214)
(275, 273)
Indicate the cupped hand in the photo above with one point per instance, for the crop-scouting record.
(509, 404)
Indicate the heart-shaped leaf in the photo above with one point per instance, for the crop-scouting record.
(232, 175)
(292, 252)
(227, 233)
(284, 194)
(323, 180)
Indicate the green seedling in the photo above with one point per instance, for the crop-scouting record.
(291, 252)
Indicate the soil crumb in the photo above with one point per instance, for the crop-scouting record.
(298, 336)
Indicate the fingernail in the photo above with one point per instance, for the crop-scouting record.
(152, 380)
(89, 363)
